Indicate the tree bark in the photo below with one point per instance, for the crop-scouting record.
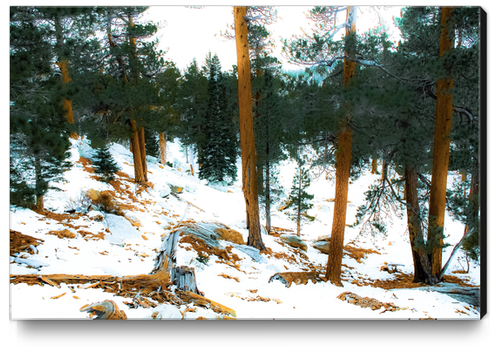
(247, 139)
(421, 263)
(474, 198)
(141, 138)
(163, 148)
(267, 197)
(67, 104)
(342, 174)
(139, 176)
(374, 169)
(298, 222)
(444, 111)
(384, 170)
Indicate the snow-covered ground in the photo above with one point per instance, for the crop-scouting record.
(131, 242)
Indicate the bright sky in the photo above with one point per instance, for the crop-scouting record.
(192, 33)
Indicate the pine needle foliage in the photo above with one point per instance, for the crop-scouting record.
(104, 163)
(299, 200)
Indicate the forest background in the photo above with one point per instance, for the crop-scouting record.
(367, 333)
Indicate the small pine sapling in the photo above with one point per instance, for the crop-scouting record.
(104, 164)
(299, 201)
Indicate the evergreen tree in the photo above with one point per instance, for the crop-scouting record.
(125, 93)
(247, 138)
(38, 130)
(268, 127)
(219, 148)
(151, 143)
(105, 164)
(299, 200)
(192, 106)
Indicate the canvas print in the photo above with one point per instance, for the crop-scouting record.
(237, 163)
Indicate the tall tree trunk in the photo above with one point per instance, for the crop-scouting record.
(267, 192)
(67, 104)
(163, 148)
(444, 111)
(384, 170)
(39, 197)
(139, 176)
(342, 174)
(298, 222)
(474, 198)
(62, 59)
(141, 138)
(421, 263)
(374, 164)
(247, 139)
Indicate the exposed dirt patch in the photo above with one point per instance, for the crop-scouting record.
(63, 234)
(366, 302)
(91, 236)
(202, 248)
(403, 280)
(358, 253)
(86, 165)
(287, 278)
(229, 277)
(230, 235)
(21, 243)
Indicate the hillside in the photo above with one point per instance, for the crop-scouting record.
(125, 238)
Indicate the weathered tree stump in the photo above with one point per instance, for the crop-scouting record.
(184, 278)
(154, 285)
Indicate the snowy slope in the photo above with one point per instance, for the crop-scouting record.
(131, 241)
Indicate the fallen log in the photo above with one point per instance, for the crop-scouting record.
(205, 302)
(189, 203)
(155, 285)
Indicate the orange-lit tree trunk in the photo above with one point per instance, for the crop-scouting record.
(374, 169)
(139, 153)
(139, 176)
(67, 105)
(163, 148)
(342, 174)
(384, 170)
(62, 60)
(440, 161)
(247, 138)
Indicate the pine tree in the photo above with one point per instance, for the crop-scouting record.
(38, 130)
(299, 200)
(219, 148)
(152, 143)
(268, 128)
(104, 163)
(247, 138)
(125, 94)
(193, 103)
